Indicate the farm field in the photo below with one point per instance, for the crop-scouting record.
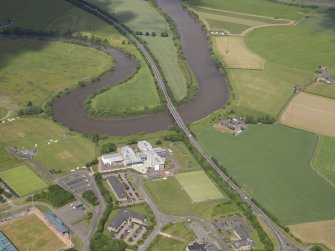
(65, 152)
(142, 16)
(198, 186)
(324, 160)
(170, 198)
(321, 89)
(179, 237)
(22, 180)
(232, 28)
(279, 45)
(264, 91)
(118, 101)
(228, 46)
(316, 232)
(30, 233)
(254, 7)
(272, 164)
(312, 113)
(33, 70)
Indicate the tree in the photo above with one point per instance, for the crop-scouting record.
(109, 147)
(147, 33)
(316, 248)
(164, 34)
(158, 142)
(153, 34)
(29, 103)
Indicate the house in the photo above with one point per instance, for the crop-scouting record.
(118, 188)
(123, 216)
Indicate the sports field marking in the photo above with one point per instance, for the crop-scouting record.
(311, 113)
(65, 155)
(198, 186)
(22, 180)
(316, 232)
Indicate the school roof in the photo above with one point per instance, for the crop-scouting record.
(5, 243)
(123, 215)
(118, 187)
(56, 222)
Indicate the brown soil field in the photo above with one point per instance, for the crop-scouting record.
(30, 233)
(316, 232)
(311, 113)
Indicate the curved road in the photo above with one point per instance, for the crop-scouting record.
(213, 91)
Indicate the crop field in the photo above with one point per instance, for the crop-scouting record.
(30, 233)
(22, 180)
(324, 161)
(33, 70)
(235, 54)
(316, 232)
(312, 113)
(272, 164)
(255, 7)
(279, 45)
(322, 89)
(57, 148)
(142, 16)
(198, 186)
(265, 91)
(171, 198)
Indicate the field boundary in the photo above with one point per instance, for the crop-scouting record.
(313, 158)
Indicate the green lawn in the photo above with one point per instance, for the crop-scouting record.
(22, 180)
(3, 112)
(255, 7)
(293, 46)
(324, 161)
(6, 160)
(170, 198)
(70, 151)
(322, 89)
(142, 16)
(198, 186)
(36, 70)
(178, 230)
(271, 163)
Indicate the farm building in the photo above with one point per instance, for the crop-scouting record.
(123, 217)
(118, 188)
(329, 79)
(236, 124)
(5, 243)
(146, 157)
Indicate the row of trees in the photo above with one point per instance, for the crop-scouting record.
(300, 5)
(153, 34)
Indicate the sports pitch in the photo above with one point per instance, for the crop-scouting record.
(198, 186)
(30, 233)
(22, 180)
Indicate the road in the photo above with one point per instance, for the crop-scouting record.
(282, 242)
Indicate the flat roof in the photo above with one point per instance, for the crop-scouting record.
(118, 187)
(123, 215)
(5, 243)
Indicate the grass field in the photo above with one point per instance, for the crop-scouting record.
(180, 237)
(36, 70)
(235, 54)
(70, 151)
(294, 46)
(312, 113)
(118, 100)
(170, 198)
(316, 232)
(3, 112)
(232, 28)
(198, 186)
(271, 163)
(6, 160)
(265, 91)
(322, 89)
(30, 233)
(142, 16)
(255, 7)
(324, 161)
(22, 180)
